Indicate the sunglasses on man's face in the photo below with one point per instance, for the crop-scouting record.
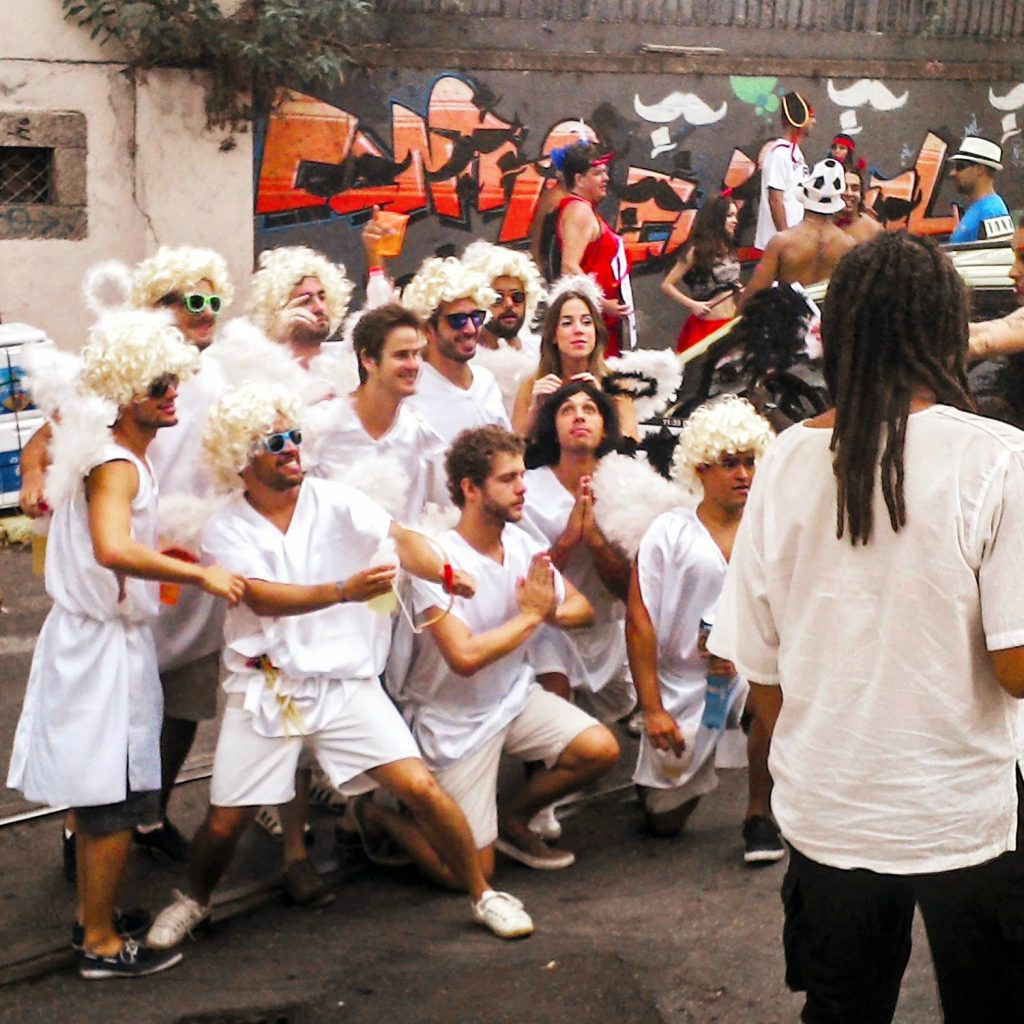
(516, 297)
(162, 384)
(275, 443)
(196, 302)
(458, 321)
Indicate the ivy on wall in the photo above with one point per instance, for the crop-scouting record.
(247, 54)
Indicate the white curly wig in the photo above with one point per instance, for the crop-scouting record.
(725, 425)
(282, 269)
(446, 280)
(237, 421)
(174, 270)
(494, 261)
(128, 349)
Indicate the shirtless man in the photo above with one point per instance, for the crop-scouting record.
(807, 253)
(860, 226)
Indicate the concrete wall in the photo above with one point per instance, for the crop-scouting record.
(461, 146)
(153, 174)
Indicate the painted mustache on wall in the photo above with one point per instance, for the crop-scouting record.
(1011, 101)
(866, 92)
(686, 105)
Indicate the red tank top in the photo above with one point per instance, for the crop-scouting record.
(605, 259)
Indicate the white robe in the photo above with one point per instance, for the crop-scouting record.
(595, 655)
(682, 572)
(90, 723)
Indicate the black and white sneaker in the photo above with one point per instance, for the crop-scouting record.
(762, 843)
(134, 961)
(129, 924)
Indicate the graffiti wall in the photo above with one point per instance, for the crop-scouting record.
(466, 156)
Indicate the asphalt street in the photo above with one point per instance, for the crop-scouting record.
(639, 930)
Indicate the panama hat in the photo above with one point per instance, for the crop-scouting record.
(976, 150)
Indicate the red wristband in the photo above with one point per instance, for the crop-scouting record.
(448, 576)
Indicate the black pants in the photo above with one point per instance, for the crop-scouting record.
(847, 939)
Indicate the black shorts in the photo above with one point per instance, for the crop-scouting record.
(847, 938)
(104, 819)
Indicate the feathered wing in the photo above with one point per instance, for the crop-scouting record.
(510, 366)
(51, 377)
(79, 437)
(183, 516)
(380, 477)
(651, 377)
(246, 355)
(629, 496)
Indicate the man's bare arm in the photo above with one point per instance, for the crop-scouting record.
(1002, 337)
(642, 648)
(110, 489)
(35, 460)
(1009, 667)
(777, 206)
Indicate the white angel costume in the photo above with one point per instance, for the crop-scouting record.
(90, 724)
(593, 657)
(682, 571)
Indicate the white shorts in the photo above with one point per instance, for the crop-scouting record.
(540, 732)
(364, 731)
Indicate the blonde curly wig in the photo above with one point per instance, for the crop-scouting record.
(446, 280)
(282, 269)
(725, 425)
(174, 270)
(493, 261)
(237, 421)
(128, 349)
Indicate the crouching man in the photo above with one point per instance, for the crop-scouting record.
(467, 688)
(304, 654)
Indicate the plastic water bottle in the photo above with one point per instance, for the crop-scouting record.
(716, 700)
(386, 554)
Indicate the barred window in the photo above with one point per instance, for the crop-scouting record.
(26, 175)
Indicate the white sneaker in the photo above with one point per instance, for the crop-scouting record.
(176, 920)
(546, 824)
(503, 914)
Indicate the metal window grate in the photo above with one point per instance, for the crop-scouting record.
(26, 175)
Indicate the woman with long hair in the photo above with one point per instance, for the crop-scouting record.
(572, 341)
(709, 270)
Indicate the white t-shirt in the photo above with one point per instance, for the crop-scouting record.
(784, 168)
(450, 409)
(593, 656)
(334, 532)
(896, 748)
(341, 444)
(681, 571)
(451, 717)
(194, 626)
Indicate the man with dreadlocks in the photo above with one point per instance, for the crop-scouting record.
(873, 602)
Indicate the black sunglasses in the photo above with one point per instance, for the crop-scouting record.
(458, 321)
(162, 384)
(274, 443)
(516, 297)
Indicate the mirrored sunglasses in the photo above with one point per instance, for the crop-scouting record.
(275, 443)
(516, 297)
(159, 386)
(196, 302)
(458, 321)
